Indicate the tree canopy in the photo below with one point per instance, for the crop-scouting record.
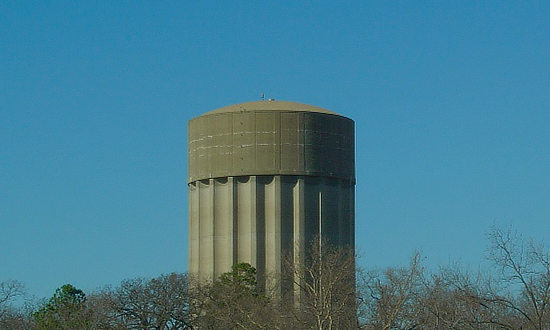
(326, 292)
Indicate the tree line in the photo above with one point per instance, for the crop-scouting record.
(325, 292)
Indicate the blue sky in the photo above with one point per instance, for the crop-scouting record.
(451, 102)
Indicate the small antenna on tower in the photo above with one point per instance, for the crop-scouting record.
(262, 96)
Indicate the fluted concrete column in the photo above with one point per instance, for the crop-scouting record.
(224, 217)
(246, 220)
(273, 253)
(298, 234)
(206, 228)
(194, 229)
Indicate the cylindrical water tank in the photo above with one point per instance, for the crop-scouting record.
(265, 178)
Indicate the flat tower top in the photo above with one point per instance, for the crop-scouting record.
(270, 105)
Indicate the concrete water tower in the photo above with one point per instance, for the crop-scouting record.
(265, 178)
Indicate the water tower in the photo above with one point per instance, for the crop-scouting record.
(265, 178)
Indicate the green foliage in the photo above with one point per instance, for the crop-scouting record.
(65, 310)
(242, 276)
(233, 302)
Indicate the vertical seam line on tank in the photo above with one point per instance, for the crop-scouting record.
(302, 127)
(255, 142)
(232, 171)
(301, 136)
(279, 169)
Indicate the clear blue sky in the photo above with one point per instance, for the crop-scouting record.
(451, 101)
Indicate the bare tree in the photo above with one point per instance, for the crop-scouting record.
(408, 298)
(388, 299)
(159, 303)
(525, 273)
(453, 299)
(11, 317)
(515, 296)
(10, 290)
(324, 287)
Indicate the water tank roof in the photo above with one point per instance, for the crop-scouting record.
(270, 105)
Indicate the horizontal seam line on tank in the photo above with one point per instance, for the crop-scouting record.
(263, 144)
(268, 132)
(253, 144)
